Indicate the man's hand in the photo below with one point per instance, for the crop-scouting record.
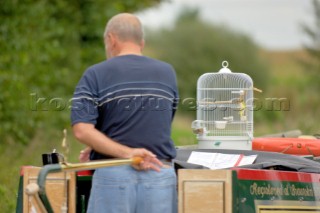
(94, 139)
(149, 161)
(84, 155)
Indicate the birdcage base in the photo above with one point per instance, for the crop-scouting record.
(225, 142)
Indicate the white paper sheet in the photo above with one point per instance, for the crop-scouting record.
(246, 160)
(224, 161)
(219, 160)
(202, 158)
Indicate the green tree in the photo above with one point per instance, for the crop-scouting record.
(195, 47)
(45, 46)
(312, 65)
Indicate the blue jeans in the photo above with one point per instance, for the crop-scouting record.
(122, 189)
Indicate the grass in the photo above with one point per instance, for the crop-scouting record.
(290, 80)
(182, 133)
(15, 155)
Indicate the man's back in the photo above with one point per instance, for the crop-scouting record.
(134, 102)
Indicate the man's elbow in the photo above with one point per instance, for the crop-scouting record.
(80, 131)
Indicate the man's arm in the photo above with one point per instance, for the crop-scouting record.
(87, 134)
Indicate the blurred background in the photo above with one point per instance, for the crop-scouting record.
(46, 45)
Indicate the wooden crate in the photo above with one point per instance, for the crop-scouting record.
(205, 191)
(57, 188)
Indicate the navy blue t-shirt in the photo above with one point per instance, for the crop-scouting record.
(132, 100)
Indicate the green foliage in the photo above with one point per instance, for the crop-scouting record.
(45, 47)
(195, 47)
(312, 65)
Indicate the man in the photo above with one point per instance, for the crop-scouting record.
(123, 107)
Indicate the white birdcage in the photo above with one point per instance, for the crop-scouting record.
(224, 110)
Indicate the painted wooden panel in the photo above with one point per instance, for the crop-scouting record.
(205, 191)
